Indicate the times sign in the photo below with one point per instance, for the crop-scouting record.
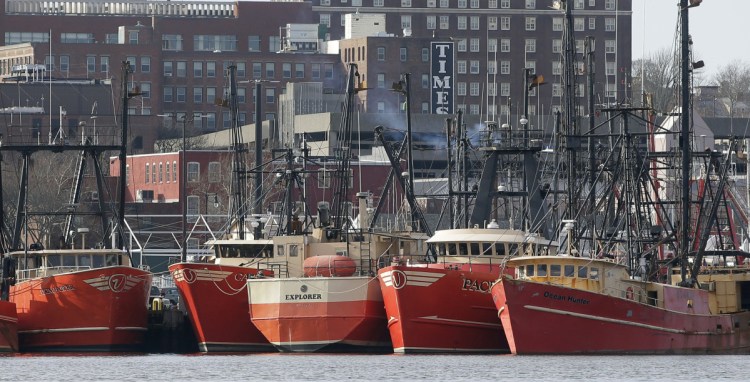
(442, 77)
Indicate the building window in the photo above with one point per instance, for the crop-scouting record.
(461, 66)
(504, 67)
(167, 94)
(181, 94)
(214, 172)
(145, 90)
(197, 95)
(531, 23)
(286, 70)
(325, 19)
(402, 54)
(315, 69)
(324, 178)
(592, 23)
(405, 22)
(257, 70)
(328, 71)
(505, 89)
(492, 23)
(270, 69)
(133, 37)
(609, 24)
(461, 23)
(530, 4)
(193, 172)
(146, 64)
(381, 107)
(377, 3)
(461, 45)
(461, 88)
(210, 43)
(270, 95)
(474, 89)
(171, 42)
(425, 81)
(579, 24)
(505, 45)
(168, 69)
(241, 71)
(253, 43)
(609, 5)
(474, 68)
(381, 53)
(425, 54)
(556, 46)
(505, 23)
(474, 23)
(530, 45)
(65, 64)
(609, 46)
(431, 22)
(197, 69)
(148, 173)
(557, 24)
(181, 69)
(444, 22)
(241, 98)
(474, 45)
(381, 81)
(90, 64)
(299, 70)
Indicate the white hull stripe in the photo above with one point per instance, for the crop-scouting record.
(452, 321)
(64, 330)
(612, 320)
(346, 342)
(202, 274)
(412, 278)
(236, 343)
(444, 350)
(8, 318)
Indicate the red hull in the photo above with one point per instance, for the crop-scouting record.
(320, 314)
(548, 319)
(102, 309)
(442, 310)
(215, 297)
(8, 327)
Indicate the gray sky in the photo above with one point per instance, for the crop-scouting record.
(719, 28)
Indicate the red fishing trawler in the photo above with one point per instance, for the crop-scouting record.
(577, 305)
(446, 306)
(80, 300)
(214, 294)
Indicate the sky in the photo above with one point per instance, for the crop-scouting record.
(719, 29)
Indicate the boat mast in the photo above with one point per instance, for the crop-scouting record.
(685, 136)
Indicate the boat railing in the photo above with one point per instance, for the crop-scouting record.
(25, 274)
(450, 262)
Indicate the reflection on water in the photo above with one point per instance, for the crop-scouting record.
(362, 367)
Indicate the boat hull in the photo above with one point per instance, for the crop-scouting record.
(438, 310)
(215, 297)
(102, 309)
(8, 327)
(548, 319)
(320, 314)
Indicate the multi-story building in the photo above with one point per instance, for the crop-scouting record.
(177, 51)
(495, 40)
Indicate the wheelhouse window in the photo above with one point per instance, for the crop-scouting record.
(594, 274)
(554, 270)
(583, 272)
(541, 270)
(570, 271)
(530, 270)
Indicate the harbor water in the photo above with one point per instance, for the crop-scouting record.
(365, 367)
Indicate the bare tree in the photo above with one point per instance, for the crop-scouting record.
(658, 76)
(169, 136)
(734, 84)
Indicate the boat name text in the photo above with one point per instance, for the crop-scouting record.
(306, 296)
(477, 285)
(57, 289)
(559, 297)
